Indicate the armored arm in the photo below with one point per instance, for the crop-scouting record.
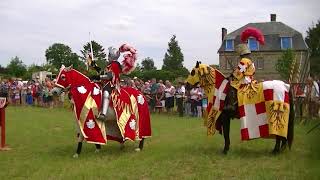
(106, 76)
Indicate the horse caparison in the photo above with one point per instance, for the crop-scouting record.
(230, 111)
(67, 81)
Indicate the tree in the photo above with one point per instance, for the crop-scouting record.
(173, 59)
(16, 67)
(3, 70)
(148, 64)
(59, 54)
(284, 63)
(98, 53)
(31, 69)
(313, 42)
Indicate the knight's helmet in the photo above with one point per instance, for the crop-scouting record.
(246, 66)
(114, 54)
(242, 48)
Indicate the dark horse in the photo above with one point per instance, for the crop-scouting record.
(203, 75)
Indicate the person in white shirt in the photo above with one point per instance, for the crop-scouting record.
(169, 94)
(180, 93)
(314, 98)
(195, 94)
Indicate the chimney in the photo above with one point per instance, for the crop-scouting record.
(273, 17)
(223, 33)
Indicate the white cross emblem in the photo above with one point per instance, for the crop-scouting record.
(140, 99)
(82, 89)
(242, 68)
(90, 124)
(96, 91)
(132, 124)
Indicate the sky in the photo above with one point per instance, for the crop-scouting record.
(28, 28)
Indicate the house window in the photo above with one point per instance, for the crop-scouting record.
(253, 44)
(259, 63)
(229, 45)
(286, 42)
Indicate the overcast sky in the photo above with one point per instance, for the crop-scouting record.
(28, 28)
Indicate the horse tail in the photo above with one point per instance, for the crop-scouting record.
(291, 119)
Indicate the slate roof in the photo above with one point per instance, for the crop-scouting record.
(273, 31)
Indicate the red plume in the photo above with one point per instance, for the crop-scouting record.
(128, 63)
(252, 32)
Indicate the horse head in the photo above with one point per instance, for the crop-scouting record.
(64, 78)
(200, 74)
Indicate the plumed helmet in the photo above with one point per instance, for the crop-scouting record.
(243, 49)
(114, 54)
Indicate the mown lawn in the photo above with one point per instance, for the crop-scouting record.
(43, 142)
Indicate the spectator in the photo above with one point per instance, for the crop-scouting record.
(29, 93)
(314, 98)
(162, 87)
(4, 89)
(199, 103)
(153, 92)
(180, 93)
(37, 92)
(159, 98)
(146, 92)
(169, 94)
(187, 100)
(204, 106)
(194, 93)
(24, 90)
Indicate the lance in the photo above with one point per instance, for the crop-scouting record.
(91, 51)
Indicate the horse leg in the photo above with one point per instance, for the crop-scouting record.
(79, 147)
(276, 149)
(226, 134)
(121, 145)
(141, 143)
(283, 144)
(98, 148)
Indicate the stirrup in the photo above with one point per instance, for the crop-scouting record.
(101, 116)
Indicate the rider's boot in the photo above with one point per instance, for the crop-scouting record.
(105, 105)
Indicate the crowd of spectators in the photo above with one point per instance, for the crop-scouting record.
(32, 92)
(162, 97)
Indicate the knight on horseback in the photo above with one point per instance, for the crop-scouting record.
(110, 75)
(126, 117)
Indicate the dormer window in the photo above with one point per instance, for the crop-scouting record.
(253, 44)
(286, 43)
(229, 45)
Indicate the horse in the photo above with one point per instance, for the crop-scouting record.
(128, 118)
(205, 76)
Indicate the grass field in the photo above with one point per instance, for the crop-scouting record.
(43, 142)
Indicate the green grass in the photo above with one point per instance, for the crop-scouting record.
(43, 142)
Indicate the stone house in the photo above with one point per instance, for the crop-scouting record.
(278, 37)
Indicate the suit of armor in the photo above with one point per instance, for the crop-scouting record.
(110, 76)
(111, 79)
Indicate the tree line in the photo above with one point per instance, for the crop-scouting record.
(58, 54)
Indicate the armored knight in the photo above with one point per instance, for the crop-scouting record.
(110, 76)
(111, 79)
(244, 73)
